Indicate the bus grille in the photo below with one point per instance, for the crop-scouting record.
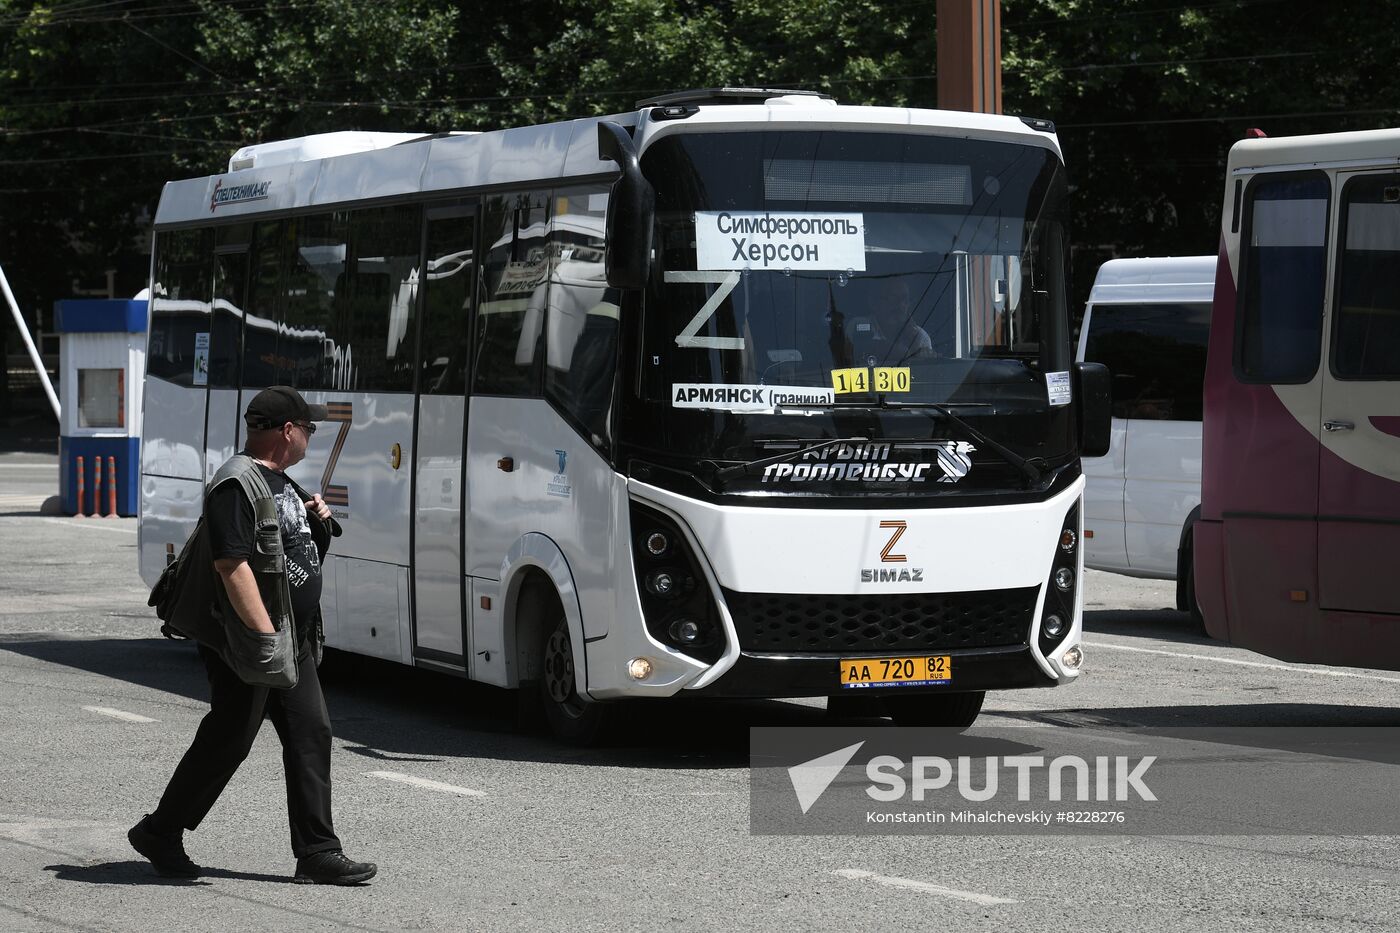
(913, 622)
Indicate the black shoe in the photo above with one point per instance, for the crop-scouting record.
(166, 853)
(332, 868)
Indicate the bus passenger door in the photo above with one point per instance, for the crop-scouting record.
(1264, 390)
(1105, 540)
(1162, 476)
(223, 420)
(439, 471)
(1359, 482)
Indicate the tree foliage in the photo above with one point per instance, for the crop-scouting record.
(1148, 98)
(102, 101)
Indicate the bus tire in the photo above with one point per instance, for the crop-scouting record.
(1186, 574)
(570, 717)
(945, 710)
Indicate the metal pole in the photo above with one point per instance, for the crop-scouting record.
(969, 55)
(29, 342)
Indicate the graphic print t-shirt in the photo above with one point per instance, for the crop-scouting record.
(231, 526)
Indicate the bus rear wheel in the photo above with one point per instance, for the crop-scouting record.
(570, 716)
(946, 710)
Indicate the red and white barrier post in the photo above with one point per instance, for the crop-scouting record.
(112, 487)
(81, 491)
(96, 487)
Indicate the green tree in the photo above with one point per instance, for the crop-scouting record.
(1149, 97)
(603, 57)
(101, 103)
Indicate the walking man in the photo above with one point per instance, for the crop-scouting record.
(280, 424)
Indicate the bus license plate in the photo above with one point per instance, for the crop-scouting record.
(896, 672)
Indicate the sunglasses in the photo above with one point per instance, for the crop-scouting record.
(306, 426)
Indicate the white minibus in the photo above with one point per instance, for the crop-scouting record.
(1147, 320)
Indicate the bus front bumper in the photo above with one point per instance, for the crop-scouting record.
(817, 675)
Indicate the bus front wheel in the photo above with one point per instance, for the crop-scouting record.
(947, 710)
(570, 716)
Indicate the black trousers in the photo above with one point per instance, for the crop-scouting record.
(226, 735)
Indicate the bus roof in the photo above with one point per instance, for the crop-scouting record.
(1155, 279)
(1324, 150)
(311, 148)
(337, 168)
(807, 111)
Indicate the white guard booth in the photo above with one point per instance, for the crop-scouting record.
(102, 360)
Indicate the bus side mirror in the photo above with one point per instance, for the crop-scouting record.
(1095, 390)
(631, 210)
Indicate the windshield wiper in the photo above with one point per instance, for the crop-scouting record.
(726, 472)
(1032, 470)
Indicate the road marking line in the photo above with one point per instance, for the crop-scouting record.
(87, 523)
(986, 900)
(1243, 663)
(119, 714)
(424, 782)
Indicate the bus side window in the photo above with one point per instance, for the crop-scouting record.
(1367, 342)
(515, 285)
(447, 280)
(313, 290)
(380, 307)
(1283, 266)
(582, 327)
(263, 316)
(179, 304)
(1157, 355)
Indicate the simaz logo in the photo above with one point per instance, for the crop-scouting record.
(897, 527)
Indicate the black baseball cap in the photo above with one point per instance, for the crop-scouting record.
(275, 406)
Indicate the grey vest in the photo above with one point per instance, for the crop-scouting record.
(190, 596)
(267, 561)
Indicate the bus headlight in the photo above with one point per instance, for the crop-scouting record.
(1072, 658)
(677, 605)
(639, 668)
(1057, 616)
(686, 631)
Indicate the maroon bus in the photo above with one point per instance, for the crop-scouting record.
(1297, 548)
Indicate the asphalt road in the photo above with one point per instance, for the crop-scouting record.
(476, 827)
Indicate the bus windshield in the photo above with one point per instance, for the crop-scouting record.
(837, 251)
(811, 272)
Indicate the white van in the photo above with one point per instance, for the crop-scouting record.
(1147, 320)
